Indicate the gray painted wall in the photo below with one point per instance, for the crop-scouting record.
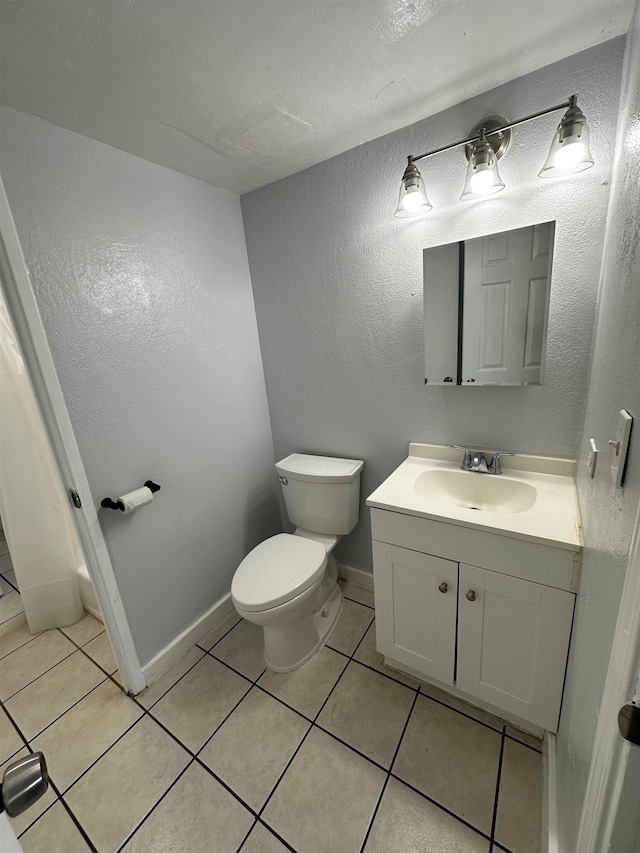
(608, 513)
(338, 285)
(142, 281)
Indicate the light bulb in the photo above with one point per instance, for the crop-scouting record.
(482, 180)
(483, 177)
(413, 200)
(570, 153)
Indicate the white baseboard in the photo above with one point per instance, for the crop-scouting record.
(93, 611)
(172, 653)
(356, 576)
(550, 801)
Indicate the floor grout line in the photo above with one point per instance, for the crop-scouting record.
(375, 812)
(389, 677)
(355, 601)
(75, 819)
(101, 756)
(500, 848)
(388, 776)
(440, 806)
(221, 724)
(404, 729)
(282, 775)
(15, 725)
(225, 785)
(184, 674)
(495, 802)
(156, 804)
(42, 814)
(247, 834)
(6, 580)
(70, 708)
(270, 830)
(26, 642)
(220, 639)
(463, 714)
(10, 758)
(100, 667)
(352, 748)
(79, 646)
(6, 699)
(282, 702)
(237, 671)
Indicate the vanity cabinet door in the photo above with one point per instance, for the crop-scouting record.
(416, 603)
(513, 640)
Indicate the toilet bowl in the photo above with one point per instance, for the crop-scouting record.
(285, 586)
(288, 584)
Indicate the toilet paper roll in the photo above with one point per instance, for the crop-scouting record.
(134, 500)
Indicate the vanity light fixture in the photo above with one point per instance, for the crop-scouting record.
(487, 142)
(569, 152)
(413, 196)
(483, 177)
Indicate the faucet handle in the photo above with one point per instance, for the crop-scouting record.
(466, 462)
(494, 466)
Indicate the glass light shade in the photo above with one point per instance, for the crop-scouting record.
(569, 152)
(483, 177)
(412, 200)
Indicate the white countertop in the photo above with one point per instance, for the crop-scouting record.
(554, 518)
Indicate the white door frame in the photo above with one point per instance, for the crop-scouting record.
(24, 312)
(610, 752)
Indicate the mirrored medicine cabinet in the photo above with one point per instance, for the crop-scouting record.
(486, 308)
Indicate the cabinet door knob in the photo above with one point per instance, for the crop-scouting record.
(443, 587)
(471, 595)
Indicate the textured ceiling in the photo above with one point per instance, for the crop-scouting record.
(244, 92)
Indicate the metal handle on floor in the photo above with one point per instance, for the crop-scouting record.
(24, 782)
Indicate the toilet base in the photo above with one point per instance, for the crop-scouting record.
(289, 645)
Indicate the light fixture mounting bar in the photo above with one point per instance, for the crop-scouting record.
(470, 139)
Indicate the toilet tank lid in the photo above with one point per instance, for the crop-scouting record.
(319, 469)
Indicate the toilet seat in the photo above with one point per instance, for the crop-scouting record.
(277, 570)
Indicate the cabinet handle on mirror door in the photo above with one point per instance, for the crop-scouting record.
(471, 595)
(444, 587)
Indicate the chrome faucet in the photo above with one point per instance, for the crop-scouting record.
(477, 461)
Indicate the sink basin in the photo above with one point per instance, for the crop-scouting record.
(534, 499)
(486, 492)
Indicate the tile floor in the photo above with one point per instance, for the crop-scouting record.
(222, 755)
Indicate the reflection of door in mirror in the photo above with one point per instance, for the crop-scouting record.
(506, 295)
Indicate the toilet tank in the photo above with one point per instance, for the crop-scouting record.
(322, 493)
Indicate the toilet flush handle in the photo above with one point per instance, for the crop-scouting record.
(283, 480)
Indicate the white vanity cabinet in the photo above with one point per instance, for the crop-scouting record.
(466, 609)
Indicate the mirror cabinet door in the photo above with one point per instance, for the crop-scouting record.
(486, 304)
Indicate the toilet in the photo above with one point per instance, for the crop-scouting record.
(288, 584)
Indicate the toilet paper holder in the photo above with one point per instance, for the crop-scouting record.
(108, 503)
